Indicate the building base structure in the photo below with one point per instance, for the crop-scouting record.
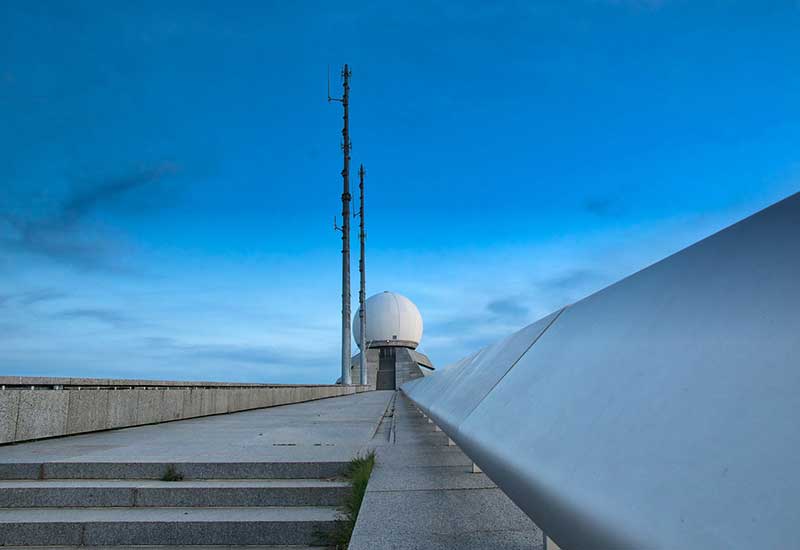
(389, 367)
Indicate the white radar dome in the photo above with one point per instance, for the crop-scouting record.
(392, 320)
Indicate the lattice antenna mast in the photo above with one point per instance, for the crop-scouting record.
(362, 291)
(345, 228)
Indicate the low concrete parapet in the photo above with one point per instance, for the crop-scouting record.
(95, 405)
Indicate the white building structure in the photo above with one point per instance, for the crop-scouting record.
(394, 331)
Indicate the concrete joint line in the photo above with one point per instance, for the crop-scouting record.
(377, 426)
(436, 489)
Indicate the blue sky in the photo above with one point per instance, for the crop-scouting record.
(170, 170)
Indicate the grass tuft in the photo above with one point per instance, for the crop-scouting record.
(171, 474)
(358, 471)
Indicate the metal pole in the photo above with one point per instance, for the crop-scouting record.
(362, 292)
(346, 378)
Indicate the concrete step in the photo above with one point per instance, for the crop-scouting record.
(156, 470)
(147, 493)
(192, 547)
(164, 526)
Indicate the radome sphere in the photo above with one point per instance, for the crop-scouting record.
(392, 320)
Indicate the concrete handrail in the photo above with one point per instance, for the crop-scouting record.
(660, 412)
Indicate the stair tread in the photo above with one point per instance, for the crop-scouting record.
(170, 547)
(176, 462)
(138, 469)
(157, 484)
(169, 515)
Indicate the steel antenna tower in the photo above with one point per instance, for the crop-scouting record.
(345, 229)
(362, 291)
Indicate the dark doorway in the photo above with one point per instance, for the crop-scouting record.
(385, 379)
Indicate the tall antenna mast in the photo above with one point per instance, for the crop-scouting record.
(362, 291)
(345, 229)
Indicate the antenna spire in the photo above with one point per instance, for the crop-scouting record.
(345, 229)
(362, 292)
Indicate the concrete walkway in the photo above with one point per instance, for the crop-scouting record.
(422, 495)
(327, 430)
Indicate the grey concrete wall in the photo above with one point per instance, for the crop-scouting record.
(120, 383)
(405, 367)
(372, 367)
(27, 414)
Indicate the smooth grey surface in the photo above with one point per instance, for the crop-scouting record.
(661, 412)
(416, 500)
(470, 381)
(425, 391)
(231, 445)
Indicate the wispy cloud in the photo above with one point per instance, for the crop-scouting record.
(31, 297)
(260, 355)
(108, 316)
(41, 295)
(58, 237)
(81, 203)
(569, 279)
(602, 206)
(511, 306)
(241, 353)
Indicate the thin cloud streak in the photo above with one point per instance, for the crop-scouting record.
(110, 317)
(60, 238)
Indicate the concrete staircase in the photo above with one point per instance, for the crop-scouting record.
(68, 504)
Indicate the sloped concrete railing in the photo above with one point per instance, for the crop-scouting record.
(50, 407)
(660, 412)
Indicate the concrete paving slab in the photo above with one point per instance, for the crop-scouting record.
(432, 478)
(422, 495)
(426, 456)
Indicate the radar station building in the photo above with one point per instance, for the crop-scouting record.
(394, 330)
